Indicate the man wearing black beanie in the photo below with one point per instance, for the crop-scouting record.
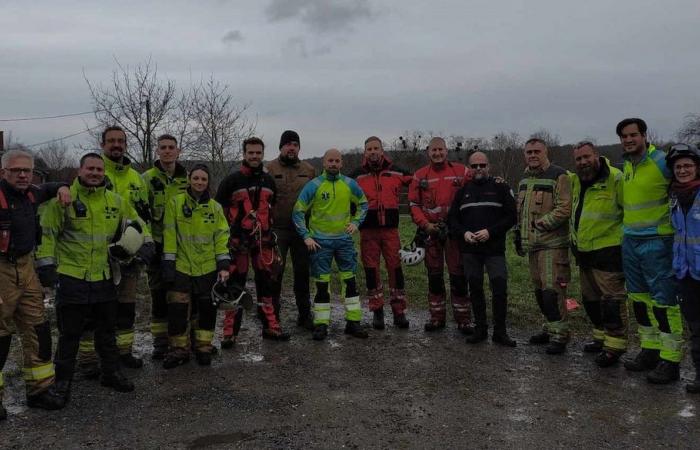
(290, 175)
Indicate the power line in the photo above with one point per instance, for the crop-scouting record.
(64, 137)
(21, 119)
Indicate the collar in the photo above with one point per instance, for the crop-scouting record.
(202, 200)
(180, 170)
(81, 189)
(330, 177)
(10, 190)
(249, 171)
(285, 163)
(124, 165)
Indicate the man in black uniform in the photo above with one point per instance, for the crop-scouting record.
(481, 214)
(21, 299)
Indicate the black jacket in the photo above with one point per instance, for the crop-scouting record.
(483, 204)
(21, 215)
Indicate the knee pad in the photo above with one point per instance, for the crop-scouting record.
(322, 295)
(436, 284)
(458, 285)
(662, 318)
(43, 336)
(610, 310)
(371, 277)
(351, 287)
(641, 314)
(177, 318)
(126, 313)
(550, 305)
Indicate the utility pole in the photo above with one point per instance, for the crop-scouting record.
(148, 158)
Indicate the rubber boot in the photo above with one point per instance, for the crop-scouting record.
(502, 338)
(665, 372)
(400, 321)
(159, 350)
(646, 359)
(398, 308)
(593, 346)
(117, 381)
(306, 320)
(271, 326)
(378, 319)
(540, 338)
(130, 361)
(320, 332)
(694, 386)
(354, 329)
(434, 325)
(228, 342)
(606, 359)
(479, 335)
(466, 329)
(555, 348)
(176, 357)
(47, 399)
(203, 358)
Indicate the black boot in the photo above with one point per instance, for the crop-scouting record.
(593, 346)
(555, 348)
(117, 381)
(62, 388)
(378, 319)
(400, 321)
(48, 399)
(665, 372)
(275, 334)
(203, 358)
(434, 325)
(176, 358)
(320, 332)
(646, 359)
(479, 335)
(305, 321)
(130, 361)
(90, 372)
(694, 386)
(228, 342)
(606, 359)
(466, 329)
(502, 338)
(3, 412)
(354, 329)
(540, 338)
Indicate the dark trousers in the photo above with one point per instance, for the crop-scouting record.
(290, 241)
(495, 265)
(71, 320)
(690, 307)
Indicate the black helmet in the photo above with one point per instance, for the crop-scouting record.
(230, 295)
(682, 151)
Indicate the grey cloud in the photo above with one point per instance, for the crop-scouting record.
(299, 45)
(320, 15)
(232, 36)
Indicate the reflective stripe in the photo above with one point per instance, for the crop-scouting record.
(87, 345)
(38, 373)
(322, 313)
(48, 261)
(159, 328)
(435, 210)
(353, 309)
(469, 205)
(168, 256)
(346, 275)
(615, 343)
(643, 224)
(692, 240)
(203, 335)
(2, 381)
(72, 235)
(194, 239)
(125, 338)
(324, 278)
(179, 341)
(601, 216)
(671, 346)
(598, 334)
(413, 204)
(649, 337)
(645, 205)
(224, 257)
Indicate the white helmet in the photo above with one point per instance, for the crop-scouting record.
(412, 255)
(127, 242)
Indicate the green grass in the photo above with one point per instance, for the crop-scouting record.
(523, 311)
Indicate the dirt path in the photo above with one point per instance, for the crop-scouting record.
(397, 389)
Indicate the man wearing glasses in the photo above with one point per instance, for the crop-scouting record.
(480, 216)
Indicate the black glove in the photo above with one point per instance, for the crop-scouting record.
(223, 264)
(168, 271)
(519, 244)
(146, 253)
(47, 275)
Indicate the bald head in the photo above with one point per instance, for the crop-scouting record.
(332, 161)
(479, 163)
(437, 151)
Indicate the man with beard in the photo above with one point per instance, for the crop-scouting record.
(123, 179)
(482, 213)
(382, 182)
(247, 197)
(290, 175)
(430, 195)
(544, 208)
(74, 248)
(647, 255)
(164, 180)
(596, 237)
(328, 198)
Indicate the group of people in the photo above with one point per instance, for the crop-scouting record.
(634, 234)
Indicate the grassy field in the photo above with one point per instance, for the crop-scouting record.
(523, 311)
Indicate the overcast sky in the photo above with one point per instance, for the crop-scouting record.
(339, 71)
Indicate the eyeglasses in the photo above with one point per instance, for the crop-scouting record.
(478, 166)
(18, 170)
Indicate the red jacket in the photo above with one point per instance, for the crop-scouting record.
(247, 197)
(382, 187)
(432, 190)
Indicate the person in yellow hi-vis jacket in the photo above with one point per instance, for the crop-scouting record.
(195, 255)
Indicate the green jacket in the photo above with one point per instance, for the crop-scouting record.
(596, 221)
(329, 197)
(161, 187)
(76, 238)
(195, 235)
(646, 201)
(544, 195)
(127, 182)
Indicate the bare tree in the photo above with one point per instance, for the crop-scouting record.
(654, 137)
(220, 126)
(506, 156)
(56, 156)
(690, 130)
(550, 139)
(138, 101)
